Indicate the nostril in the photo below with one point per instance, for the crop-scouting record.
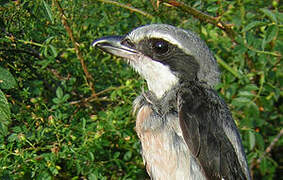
(128, 43)
(104, 44)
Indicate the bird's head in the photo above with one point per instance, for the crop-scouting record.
(164, 56)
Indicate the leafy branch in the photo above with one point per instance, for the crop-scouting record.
(203, 17)
(268, 149)
(128, 7)
(76, 45)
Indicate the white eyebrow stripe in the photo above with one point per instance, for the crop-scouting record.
(165, 34)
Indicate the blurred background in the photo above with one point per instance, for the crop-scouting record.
(65, 108)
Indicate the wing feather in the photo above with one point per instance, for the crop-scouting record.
(202, 114)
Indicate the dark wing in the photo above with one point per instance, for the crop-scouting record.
(202, 115)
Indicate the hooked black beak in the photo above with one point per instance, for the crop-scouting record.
(114, 45)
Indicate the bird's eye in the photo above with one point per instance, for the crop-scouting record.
(160, 46)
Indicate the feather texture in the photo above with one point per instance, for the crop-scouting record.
(203, 116)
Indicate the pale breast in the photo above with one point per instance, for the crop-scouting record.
(164, 151)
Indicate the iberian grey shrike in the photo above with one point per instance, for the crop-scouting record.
(186, 130)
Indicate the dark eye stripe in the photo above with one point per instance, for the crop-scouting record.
(159, 46)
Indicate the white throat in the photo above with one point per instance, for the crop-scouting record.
(158, 76)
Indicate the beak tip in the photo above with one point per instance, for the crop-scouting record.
(95, 43)
(106, 40)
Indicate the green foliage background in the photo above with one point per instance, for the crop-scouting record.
(51, 125)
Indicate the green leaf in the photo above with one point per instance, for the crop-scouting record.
(65, 97)
(5, 113)
(7, 81)
(269, 14)
(92, 176)
(252, 110)
(54, 51)
(48, 40)
(246, 94)
(84, 123)
(263, 165)
(240, 101)
(127, 156)
(251, 25)
(260, 142)
(91, 156)
(44, 63)
(13, 137)
(271, 33)
(212, 9)
(250, 87)
(59, 92)
(251, 140)
(49, 12)
(116, 155)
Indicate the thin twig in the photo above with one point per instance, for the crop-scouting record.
(202, 17)
(91, 98)
(276, 54)
(109, 89)
(128, 7)
(36, 55)
(76, 46)
(227, 67)
(83, 102)
(271, 145)
(12, 38)
(267, 150)
(261, 81)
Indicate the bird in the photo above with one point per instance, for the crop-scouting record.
(185, 128)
